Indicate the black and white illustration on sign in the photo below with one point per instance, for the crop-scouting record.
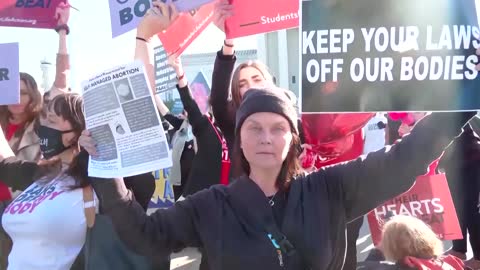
(389, 55)
(165, 77)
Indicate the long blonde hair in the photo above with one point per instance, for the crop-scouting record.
(409, 236)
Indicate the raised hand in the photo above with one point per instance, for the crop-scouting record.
(62, 13)
(157, 19)
(88, 143)
(176, 63)
(222, 11)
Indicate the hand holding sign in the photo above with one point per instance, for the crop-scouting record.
(176, 63)
(222, 11)
(62, 13)
(157, 19)
(185, 29)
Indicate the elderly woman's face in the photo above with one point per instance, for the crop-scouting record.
(265, 140)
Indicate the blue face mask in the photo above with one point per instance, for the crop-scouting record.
(51, 141)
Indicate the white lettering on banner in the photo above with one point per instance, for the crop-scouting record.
(412, 208)
(18, 20)
(197, 28)
(372, 69)
(443, 66)
(347, 38)
(407, 34)
(279, 18)
(316, 70)
(166, 79)
(436, 68)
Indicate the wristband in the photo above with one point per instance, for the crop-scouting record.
(181, 77)
(142, 39)
(227, 45)
(62, 27)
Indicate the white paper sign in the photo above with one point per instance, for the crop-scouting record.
(121, 115)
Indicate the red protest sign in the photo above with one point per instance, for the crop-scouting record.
(266, 16)
(185, 29)
(28, 13)
(429, 200)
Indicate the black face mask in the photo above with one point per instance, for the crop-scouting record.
(51, 142)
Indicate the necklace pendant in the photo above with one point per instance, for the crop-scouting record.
(271, 202)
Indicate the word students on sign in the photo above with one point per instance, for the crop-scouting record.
(267, 16)
(122, 117)
(9, 74)
(386, 66)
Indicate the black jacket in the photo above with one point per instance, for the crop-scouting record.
(222, 107)
(206, 164)
(231, 223)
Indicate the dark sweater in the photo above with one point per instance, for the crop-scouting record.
(222, 107)
(206, 164)
(230, 223)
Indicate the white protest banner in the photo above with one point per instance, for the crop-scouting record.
(389, 55)
(121, 115)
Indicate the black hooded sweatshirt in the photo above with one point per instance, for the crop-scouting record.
(232, 223)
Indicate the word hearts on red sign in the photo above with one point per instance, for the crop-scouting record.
(28, 13)
(256, 17)
(429, 200)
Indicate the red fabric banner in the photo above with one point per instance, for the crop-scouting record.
(429, 200)
(255, 17)
(186, 28)
(28, 13)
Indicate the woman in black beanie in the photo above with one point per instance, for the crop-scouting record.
(274, 216)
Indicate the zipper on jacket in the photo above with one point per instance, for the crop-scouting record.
(280, 257)
(277, 248)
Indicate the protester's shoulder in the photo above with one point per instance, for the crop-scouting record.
(215, 194)
(308, 184)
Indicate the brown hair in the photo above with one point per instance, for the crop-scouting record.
(32, 110)
(409, 236)
(235, 88)
(290, 166)
(68, 106)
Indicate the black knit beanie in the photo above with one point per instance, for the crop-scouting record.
(266, 100)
